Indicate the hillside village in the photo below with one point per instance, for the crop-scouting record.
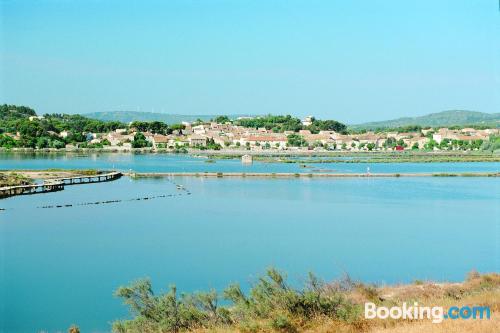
(22, 128)
(213, 135)
(228, 136)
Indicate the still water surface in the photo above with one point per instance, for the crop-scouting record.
(185, 163)
(60, 266)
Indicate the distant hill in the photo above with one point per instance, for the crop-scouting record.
(128, 116)
(444, 118)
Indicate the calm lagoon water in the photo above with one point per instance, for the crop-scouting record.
(185, 163)
(60, 266)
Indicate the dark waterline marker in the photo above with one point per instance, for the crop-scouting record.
(179, 187)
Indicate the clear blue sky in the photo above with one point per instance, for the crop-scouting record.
(353, 61)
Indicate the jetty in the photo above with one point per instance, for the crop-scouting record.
(53, 185)
(87, 179)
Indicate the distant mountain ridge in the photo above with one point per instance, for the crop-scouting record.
(444, 118)
(128, 116)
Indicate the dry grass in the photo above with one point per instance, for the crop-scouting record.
(46, 174)
(477, 290)
(449, 326)
(13, 179)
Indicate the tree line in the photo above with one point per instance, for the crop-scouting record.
(279, 124)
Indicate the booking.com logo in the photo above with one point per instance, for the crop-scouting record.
(436, 313)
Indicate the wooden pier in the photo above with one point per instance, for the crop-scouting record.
(53, 185)
(98, 178)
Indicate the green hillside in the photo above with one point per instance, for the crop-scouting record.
(445, 118)
(128, 116)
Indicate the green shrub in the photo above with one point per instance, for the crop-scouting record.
(283, 323)
(270, 301)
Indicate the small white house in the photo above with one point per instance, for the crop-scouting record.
(64, 134)
(307, 121)
(246, 159)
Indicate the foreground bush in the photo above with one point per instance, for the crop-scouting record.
(271, 303)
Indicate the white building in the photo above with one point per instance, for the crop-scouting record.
(307, 121)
